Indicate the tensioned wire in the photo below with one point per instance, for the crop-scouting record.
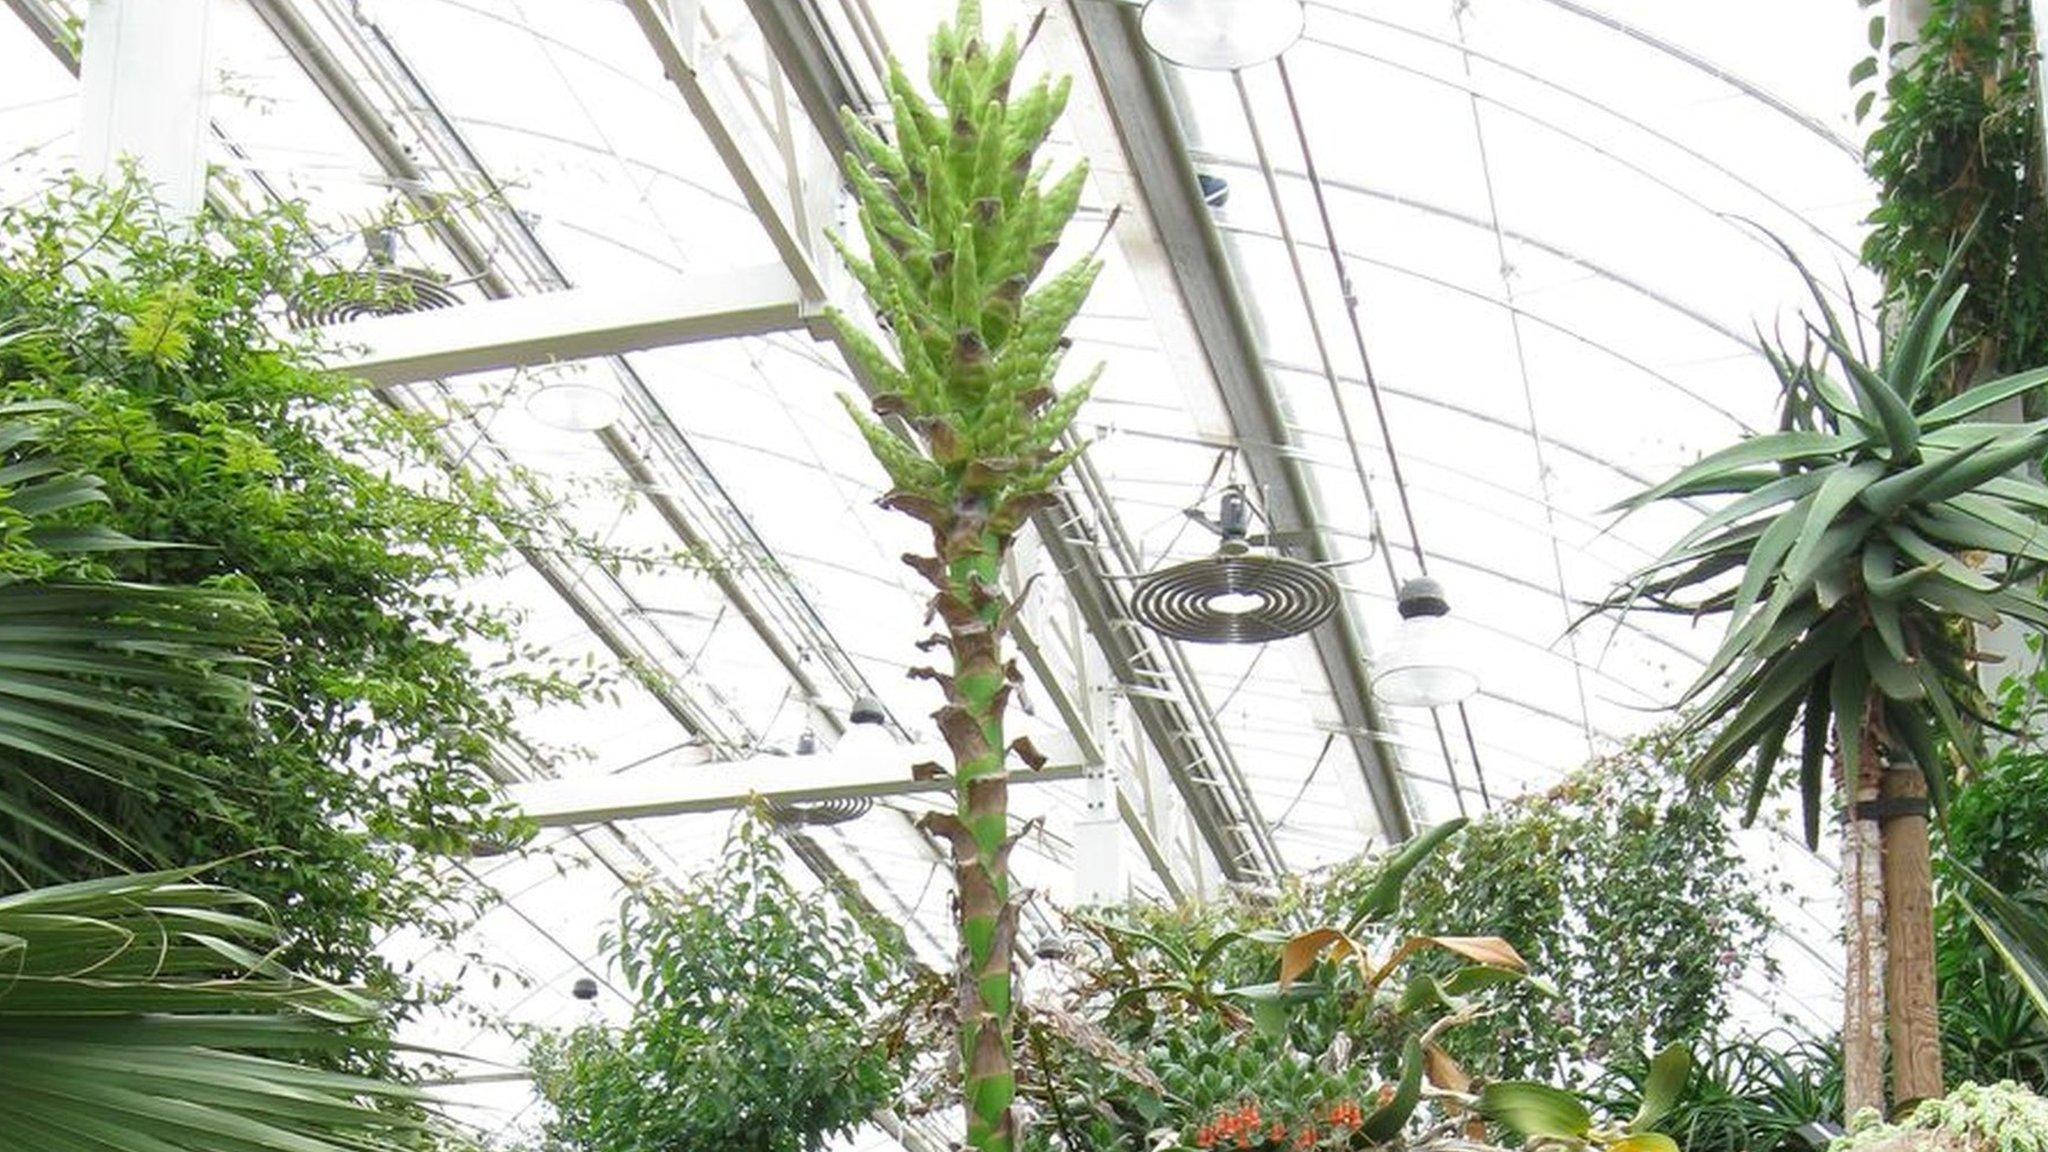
(1507, 283)
(1331, 376)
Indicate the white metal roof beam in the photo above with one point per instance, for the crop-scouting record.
(575, 324)
(1154, 153)
(776, 779)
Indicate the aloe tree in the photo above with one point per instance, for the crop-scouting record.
(960, 222)
(1852, 544)
(139, 1013)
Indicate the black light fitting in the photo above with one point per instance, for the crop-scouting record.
(1237, 596)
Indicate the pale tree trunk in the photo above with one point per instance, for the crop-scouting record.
(1909, 940)
(1863, 1001)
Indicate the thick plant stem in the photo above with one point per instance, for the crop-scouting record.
(1862, 941)
(1910, 992)
(960, 221)
(977, 694)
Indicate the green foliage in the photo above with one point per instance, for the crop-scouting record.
(753, 1023)
(1205, 1025)
(1849, 551)
(2000, 1117)
(147, 1014)
(380, 705)
(143, 1013)
(1743, 1095)
(1996, 837)
(1547, 1117)
(1623, 886)
(1959, 145)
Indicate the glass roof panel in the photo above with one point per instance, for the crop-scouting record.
(1553, 215)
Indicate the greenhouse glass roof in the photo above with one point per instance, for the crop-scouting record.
(1555, 219)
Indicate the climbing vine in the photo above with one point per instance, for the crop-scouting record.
(1624, 888)
(1958, 144)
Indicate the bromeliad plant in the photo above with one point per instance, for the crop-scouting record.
(1550, 1119)
(1217, 1027)
(960, 223)
(1855, 542)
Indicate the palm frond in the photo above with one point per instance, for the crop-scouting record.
(1850, 539)
(142, 1014)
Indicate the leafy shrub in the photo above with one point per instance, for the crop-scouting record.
(752, 1029)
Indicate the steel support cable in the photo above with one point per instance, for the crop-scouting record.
(1720, 218)
(1111, 534)
(1351, 313)
(1757, 92)
(1351, 445)
(1298, 453)
(1532, 318)
(1584, 263)
(1507, 281)
(1572, 93)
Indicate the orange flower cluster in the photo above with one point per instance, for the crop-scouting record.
(1245, 1128)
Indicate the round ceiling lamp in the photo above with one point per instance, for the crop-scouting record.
(1221, 35)
(1242, 599)
(1423, 668)
(574, 406)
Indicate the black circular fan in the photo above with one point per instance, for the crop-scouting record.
(1236, 596)
(821, 813)
(1246, 599)
(338, 297)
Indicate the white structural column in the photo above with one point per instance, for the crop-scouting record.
(1098, 835)
(144, 82)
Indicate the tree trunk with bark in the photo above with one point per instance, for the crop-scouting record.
(1910, 992)
(1863, 1000)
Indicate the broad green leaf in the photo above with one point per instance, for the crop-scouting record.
(1384, 897)
(1813, 748)
(1385, 1122)
(1669, 1071)
(1535, 1111)
(1779, 448)
(1989, 394)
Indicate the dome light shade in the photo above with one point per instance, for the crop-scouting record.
(1423, 668)
(1221, 35)
(574, 406)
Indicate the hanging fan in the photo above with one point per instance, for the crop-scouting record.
(1242, 594)
(380, 287)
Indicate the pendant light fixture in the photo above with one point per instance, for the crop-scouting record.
(1423, 668)
(574, 404)
(1237, 596)
(1221, 35)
